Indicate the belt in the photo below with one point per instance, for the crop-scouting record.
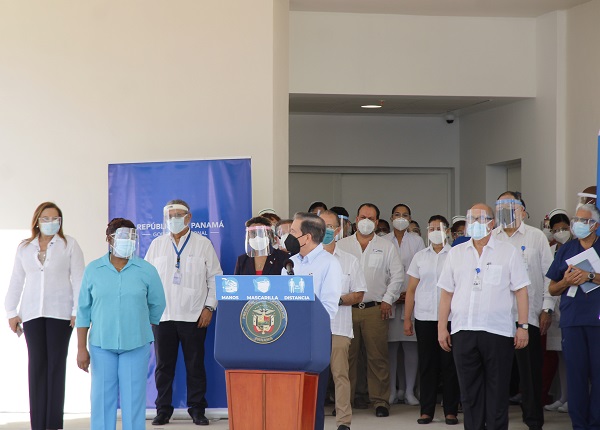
(363, 305)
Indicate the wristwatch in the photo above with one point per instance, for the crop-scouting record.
(341, 302)
(523, 326)
(548, 311)
(591, 276)
(209, 308)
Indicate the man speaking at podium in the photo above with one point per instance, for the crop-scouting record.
(310, 259)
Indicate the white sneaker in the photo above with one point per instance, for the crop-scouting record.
(554, 406)
(564, 408)
(411, 400)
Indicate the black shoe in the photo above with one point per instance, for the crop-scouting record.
(424, 420)
(451, 421)
(382, 411)
(343, 427)
(161, 419)
(198, 418)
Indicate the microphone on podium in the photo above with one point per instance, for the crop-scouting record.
(289, 267)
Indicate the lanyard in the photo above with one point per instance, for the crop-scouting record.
(182, 248)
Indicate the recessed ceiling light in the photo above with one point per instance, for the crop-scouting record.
(370, 106)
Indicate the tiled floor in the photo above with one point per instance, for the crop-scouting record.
(401, 417)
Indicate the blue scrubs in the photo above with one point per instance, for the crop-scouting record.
(580, 324)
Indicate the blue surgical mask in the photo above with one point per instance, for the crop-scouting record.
(123, 248)
(49, 228)
(581, 230)
(176, 225)
(477, 230)
(329, 236)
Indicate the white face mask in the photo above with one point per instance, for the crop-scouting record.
(366, 226)
(436, 237)
(49, 228)
(400, 224)
(258, 243)
(562, 236)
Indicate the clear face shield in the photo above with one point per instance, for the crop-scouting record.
(437, 233)
(509, 213)
(479, 223)
(258, 238)
(175, 219)
(346, 228)
(124, 243)
(585, 198)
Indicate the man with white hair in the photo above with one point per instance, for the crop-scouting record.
(577, 284)
(480, 280)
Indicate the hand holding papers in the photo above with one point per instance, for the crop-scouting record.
(588, 261)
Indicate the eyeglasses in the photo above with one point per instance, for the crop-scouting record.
(582, 220)
(178, 215)
(481, 219)
(49, 218)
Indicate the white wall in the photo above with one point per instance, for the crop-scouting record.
(84, 84)
(376, 141)
(530, 130)
(337, 53)
(583, 104)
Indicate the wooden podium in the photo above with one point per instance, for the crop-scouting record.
(272, 385)
(270, 400)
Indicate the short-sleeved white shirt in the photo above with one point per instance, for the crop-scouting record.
(502, 272)
(353, 282)
(426, 266)
(411, 244)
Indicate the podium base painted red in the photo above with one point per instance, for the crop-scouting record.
(270, 400)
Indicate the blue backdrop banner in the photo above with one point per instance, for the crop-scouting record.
(219, 193)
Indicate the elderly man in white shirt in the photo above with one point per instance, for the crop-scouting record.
(305, 244)
(480, 280)
(537, 257)
(187, 264)
(353, 290)
(384, 275)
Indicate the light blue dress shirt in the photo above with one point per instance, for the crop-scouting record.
(120, 306)
(327, 276)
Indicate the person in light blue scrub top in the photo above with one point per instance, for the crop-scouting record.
(120, 297)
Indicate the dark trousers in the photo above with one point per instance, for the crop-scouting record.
(529, 360)
(435, 363)
(321, 393)
(167, 337)
(47, 348)
(483, 364)
(581, 349)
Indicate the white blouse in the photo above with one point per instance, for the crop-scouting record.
(47, 290)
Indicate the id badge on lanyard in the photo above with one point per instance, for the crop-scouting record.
(477, 280)
(177, 275)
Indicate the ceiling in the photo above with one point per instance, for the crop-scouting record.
(491, 8)
(411, 105)
(392, 105)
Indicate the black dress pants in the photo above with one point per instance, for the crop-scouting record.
(434, 363)
(167, 337)
(529, 360)
(47, 347)
(483, 364)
